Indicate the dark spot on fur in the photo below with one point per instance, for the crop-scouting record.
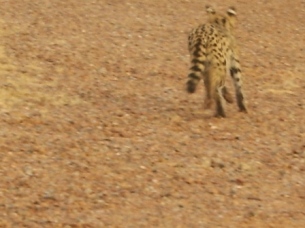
(194, 76)
(197, 61)
(195, 68)
(192, 83)
(234, 71)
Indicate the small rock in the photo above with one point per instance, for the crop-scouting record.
(102, 71)
(216, 163)
(28, 171)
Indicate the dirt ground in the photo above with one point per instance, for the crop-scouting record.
(98, 131)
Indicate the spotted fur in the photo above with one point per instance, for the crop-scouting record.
(214, 55)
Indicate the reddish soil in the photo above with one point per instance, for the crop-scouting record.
(98, 131)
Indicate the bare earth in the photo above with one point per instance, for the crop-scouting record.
(98, 131)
